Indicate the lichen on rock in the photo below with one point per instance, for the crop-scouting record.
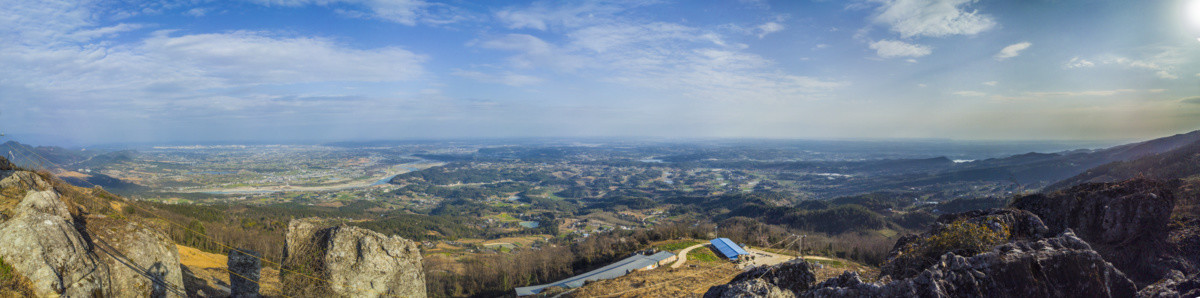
(345, 261)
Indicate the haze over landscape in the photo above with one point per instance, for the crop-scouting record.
(89, 72)
(600, 148)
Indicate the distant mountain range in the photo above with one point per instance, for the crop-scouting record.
(1178, 163)
(1033, 170)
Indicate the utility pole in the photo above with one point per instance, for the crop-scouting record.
(801, 250)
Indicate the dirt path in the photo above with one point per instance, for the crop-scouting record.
(818, 258)
(683, 255)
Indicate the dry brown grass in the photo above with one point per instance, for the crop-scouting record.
(211, 270)
(663, 282)
(13, 284)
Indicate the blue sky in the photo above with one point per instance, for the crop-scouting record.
(87, 72)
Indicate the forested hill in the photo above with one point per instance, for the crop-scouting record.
(1033, 170)
(1179, 163)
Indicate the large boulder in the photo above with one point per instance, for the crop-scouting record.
(41, 243)
(345, 261)
(781, 281)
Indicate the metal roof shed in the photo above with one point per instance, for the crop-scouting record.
(727, 248)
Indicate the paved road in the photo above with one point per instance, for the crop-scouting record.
(683, 255)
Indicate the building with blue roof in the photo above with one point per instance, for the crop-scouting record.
(728, 249)
(614, 270)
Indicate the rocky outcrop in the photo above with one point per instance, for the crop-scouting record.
(40, 243)
(986, 253)
(1106, 213)
(244, 268)
(783, 280)
(965, 234)
(345, 261)
(1173, 286)
(1062, 266)
(67, 254)
(1126, 222)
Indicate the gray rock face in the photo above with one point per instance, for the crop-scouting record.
(43, 245)
(142, 261)
(1063, 266)
(1173, 286)
(1106, 213)
(62, 255)
(1126, 222)
(245, 266)
(345, 261)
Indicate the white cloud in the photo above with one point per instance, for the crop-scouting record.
(544, 15)
(932, 18)
(694, 62)
(1159, 69)
(970, 93)
(991, 83)
(1081, 93)
(533, 52)
(768, 28)
(258, 57)
(407, 12)
(197, 12)
(507, 78)
(894, 48)
(1077, 62)
(1012, 50)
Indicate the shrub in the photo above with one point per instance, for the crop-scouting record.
(961, 237)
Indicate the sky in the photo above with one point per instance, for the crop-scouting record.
(100, 72)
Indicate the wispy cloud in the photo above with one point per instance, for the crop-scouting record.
(894, 48)
(991, 83)
(768, 28)
(932, 18)
(1077, 62)
(1012, 50)
(970, 93)
(507, 78)
(1081, 93)
(407, 12)
(660, 55)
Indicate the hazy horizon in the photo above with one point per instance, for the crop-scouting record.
(96, 72)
